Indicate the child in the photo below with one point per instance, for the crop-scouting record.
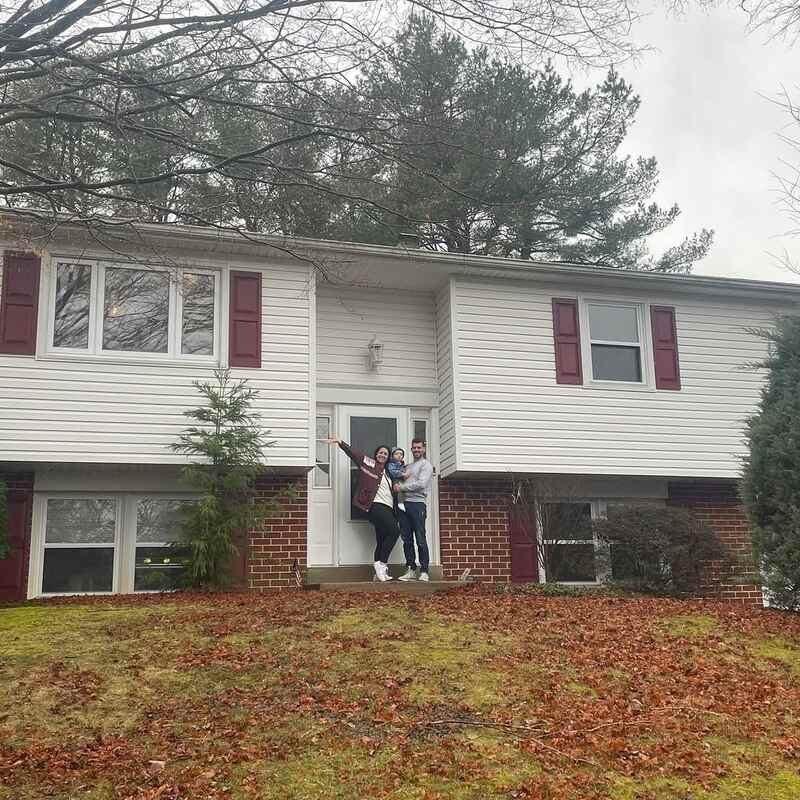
(396, 468)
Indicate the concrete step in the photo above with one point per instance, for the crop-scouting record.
(359, 572)
(397, 587)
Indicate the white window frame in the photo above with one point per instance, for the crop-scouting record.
(414, 420)
(131, 503)
(598, 510)
(642, 308)
(124, 538)
(329, 462)
(95, 349)
(39, 544)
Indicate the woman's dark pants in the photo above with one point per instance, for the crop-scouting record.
(386, 530)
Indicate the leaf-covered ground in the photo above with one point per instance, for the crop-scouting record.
(470, 695)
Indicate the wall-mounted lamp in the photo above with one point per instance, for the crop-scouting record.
(375, 348)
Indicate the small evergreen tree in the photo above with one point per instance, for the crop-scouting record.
(228, 444)
(5, 548)
(770, 486)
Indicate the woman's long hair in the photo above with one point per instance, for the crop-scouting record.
(388, 453)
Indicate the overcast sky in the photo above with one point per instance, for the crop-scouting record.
(706, 118)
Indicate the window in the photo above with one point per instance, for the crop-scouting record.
(79, 545)
(147, 311)
(72, 302)
(158, 565)
(322, 470)
(615, 333)
(421, 430)
(571, 552)
(117, 543)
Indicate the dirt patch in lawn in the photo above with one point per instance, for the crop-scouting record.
(471, 695)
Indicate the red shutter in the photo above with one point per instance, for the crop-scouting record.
(567, 335)
(665, 347)
(14, 569)
(244, 333)
(19, 303)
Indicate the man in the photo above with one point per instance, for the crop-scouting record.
(414, 492)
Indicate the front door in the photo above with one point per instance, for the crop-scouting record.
(364, 428)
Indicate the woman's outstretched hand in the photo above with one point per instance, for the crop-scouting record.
(331, 440)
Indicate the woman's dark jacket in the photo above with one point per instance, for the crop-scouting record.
(369, 477)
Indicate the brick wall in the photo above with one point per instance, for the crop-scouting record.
(14, 569)
(473, 528)
(277, 540)
(719, 505)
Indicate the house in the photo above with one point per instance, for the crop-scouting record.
(614, 386)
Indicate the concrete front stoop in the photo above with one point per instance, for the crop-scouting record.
(359, 579)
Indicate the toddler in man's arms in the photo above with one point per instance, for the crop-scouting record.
(396, 468)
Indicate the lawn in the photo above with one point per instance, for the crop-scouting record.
(471, 695)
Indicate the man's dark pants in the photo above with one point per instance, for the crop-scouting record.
(412, 526)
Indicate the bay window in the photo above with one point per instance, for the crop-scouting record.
(152, 312)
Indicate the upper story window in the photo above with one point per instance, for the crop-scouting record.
(616, 337)
(108, 308)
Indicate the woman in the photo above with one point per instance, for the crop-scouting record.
(374, 495)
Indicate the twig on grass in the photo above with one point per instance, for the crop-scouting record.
(533, 735)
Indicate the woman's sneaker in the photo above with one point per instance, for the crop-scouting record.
(423, 576)
(410, 575)
(381, 572)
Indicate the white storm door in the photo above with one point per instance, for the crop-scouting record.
(364, 428)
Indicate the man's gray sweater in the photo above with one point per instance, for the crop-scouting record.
(415, 487)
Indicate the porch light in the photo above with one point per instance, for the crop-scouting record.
(375, 348)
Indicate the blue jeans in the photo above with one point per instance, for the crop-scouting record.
(412, 527)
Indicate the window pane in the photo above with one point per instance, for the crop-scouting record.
(136, 310)
(367, 433)
(159, 568)
(159, 520)
(323, 432)
(322, 476)
(613, 323)
(197, 334)
(566, 521)
(80, 521)
(611, 363)
(421, 430)
(71, 317)
(76, 569)
(570, 562)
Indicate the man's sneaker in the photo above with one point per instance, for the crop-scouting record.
(423, 576)
(410, 575)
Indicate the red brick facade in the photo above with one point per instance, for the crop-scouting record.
(718, 504)
(474, 528)
(280, 538)
(14, 569)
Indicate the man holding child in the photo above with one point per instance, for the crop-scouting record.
(413, 495)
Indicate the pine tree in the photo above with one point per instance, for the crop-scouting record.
(228, 444)
(771, 478)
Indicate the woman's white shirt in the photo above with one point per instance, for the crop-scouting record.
(384, 493)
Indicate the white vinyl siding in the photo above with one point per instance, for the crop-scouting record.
(515, 417)
(405, 322)
(83, 409)
(444, 360)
